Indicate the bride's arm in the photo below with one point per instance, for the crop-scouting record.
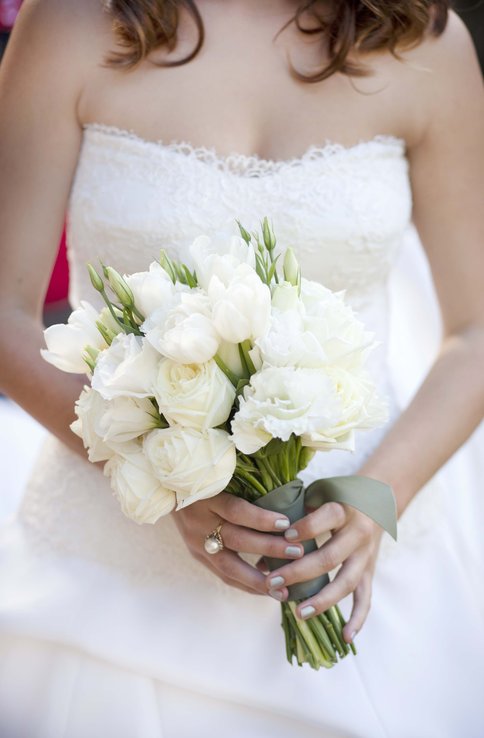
(447, 173)
(41, 79)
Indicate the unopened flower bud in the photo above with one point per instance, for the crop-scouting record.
(105, 332)
(292, 271)
(96, 280)
(268, 235)
(245, 234)
(120, 288)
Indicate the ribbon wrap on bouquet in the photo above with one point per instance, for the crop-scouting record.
(370, 496)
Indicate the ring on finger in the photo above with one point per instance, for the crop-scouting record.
(213, 541)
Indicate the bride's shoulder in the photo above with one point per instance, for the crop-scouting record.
(446, 51)
(433, 77)
(64, 26)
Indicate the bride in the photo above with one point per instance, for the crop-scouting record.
(149, 122)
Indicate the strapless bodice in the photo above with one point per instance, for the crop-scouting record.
(343, 209)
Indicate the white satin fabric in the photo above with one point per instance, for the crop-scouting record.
(112, 629)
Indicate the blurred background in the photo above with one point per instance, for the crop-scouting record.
(411, 292)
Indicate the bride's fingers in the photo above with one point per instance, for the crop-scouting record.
(228, 580)
(345, 582)
(238, 511)
(322, 561)
(330, 516)
(361, 608)
(245, 540)
(229, 566)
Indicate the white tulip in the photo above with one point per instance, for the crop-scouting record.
(142, 497)
(194, 464)
(89, 409)
(241, 306)
(185, 333)
(66, 343)
(128, 367)
(219, 255)
(193, 395)
(127, 418)
(152, 289)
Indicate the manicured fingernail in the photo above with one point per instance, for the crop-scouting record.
(277, 594)
(353, 635)
(282, 524)
(295, 551)
(291, 534)
(276, 582)
(307, 611)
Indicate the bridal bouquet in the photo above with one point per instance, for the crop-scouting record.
(228, 377)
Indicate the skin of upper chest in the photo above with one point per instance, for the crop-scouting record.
(238, 94)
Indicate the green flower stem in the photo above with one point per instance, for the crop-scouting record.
(124, 328)
(228, 373)
(136, 312)
(243, 361)
(251, 479)
(333, 635)
(320, 632)
(246, 346)
(312, 644)
(264, 466)
(343, 623)
(338, 630)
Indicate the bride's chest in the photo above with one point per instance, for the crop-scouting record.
(342, 209)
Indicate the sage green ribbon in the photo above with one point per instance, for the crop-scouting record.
(370, 496)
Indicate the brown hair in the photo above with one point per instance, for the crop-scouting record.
(141, 26)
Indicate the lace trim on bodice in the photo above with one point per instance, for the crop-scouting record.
(251, 165)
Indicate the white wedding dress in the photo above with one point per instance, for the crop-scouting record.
(112, 630)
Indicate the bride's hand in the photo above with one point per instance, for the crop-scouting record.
(245, 528)
(354, 543)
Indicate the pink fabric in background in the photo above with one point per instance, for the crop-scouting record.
(8, 12)
(59, 281)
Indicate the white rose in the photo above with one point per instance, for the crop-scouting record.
(320, 331)
(361, 409)
(339, 332)
(194, 464)
(152, 289)
(186, 333)
(142, 497)
(241, 306)
(315, 294)
(287, 343)
(89, 409)
(66, 343)
(282, 401)
(128, 367)
(219, 255)
(193, 395)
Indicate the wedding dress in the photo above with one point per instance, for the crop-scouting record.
(113, 630)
